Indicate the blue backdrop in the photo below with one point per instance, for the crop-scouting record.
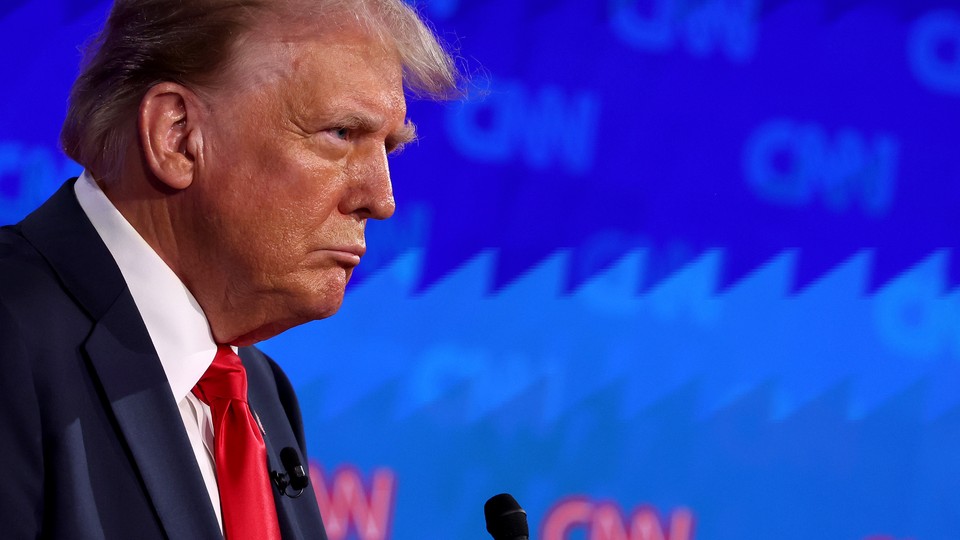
(676, 269)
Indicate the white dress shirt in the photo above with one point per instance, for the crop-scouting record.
(177, 326)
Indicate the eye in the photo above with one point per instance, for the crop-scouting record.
(341, 133)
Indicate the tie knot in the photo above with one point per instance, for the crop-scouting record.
(224, 379)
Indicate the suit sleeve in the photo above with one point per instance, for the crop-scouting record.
(21, 451)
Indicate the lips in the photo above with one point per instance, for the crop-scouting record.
(349, 254)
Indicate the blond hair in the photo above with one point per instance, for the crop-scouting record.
(192, 42)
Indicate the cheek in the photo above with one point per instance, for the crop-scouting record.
(308, 194)
(281, 194)
(275, 208)
(288, 222)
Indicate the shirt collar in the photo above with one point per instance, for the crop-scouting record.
(176, 323)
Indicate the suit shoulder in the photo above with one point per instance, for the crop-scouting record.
(31, 292)
(19, 259)
(24, 273)
(14, 248)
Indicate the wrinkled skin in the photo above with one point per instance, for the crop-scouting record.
(286, 162)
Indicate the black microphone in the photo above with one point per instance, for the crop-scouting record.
(505, 519)
(291, 462)
(295, 477)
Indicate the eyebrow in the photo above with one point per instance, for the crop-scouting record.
(394, 142)
(403, 136)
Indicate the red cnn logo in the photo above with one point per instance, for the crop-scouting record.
(346, 504)
(606, 521)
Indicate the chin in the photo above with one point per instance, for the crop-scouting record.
(325, 297)
(322, 312)
(321, 304)
(276, 327)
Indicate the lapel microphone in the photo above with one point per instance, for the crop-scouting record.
(295, 476)
(505, 519)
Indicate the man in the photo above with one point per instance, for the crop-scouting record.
(234, 150)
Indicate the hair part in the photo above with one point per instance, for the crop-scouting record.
(194, 43)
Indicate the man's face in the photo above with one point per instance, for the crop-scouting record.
(294, 162)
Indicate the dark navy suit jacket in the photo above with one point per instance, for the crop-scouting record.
(92, 444)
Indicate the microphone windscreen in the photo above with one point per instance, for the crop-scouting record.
(506, 520)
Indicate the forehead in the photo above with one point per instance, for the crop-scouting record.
(335, 66)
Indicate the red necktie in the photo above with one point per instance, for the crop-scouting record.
(246, 495)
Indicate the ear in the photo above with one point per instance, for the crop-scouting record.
(169, 125)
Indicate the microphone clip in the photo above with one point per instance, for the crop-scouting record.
(283, 483)
(295, 478)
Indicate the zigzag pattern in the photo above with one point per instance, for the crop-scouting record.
(756, 400)
(818, 463)
(458, 338)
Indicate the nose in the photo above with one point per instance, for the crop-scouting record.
(371, 191)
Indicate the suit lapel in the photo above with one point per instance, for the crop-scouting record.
(140, 397)
(289, 527)
(126, 364)
(299, 517)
